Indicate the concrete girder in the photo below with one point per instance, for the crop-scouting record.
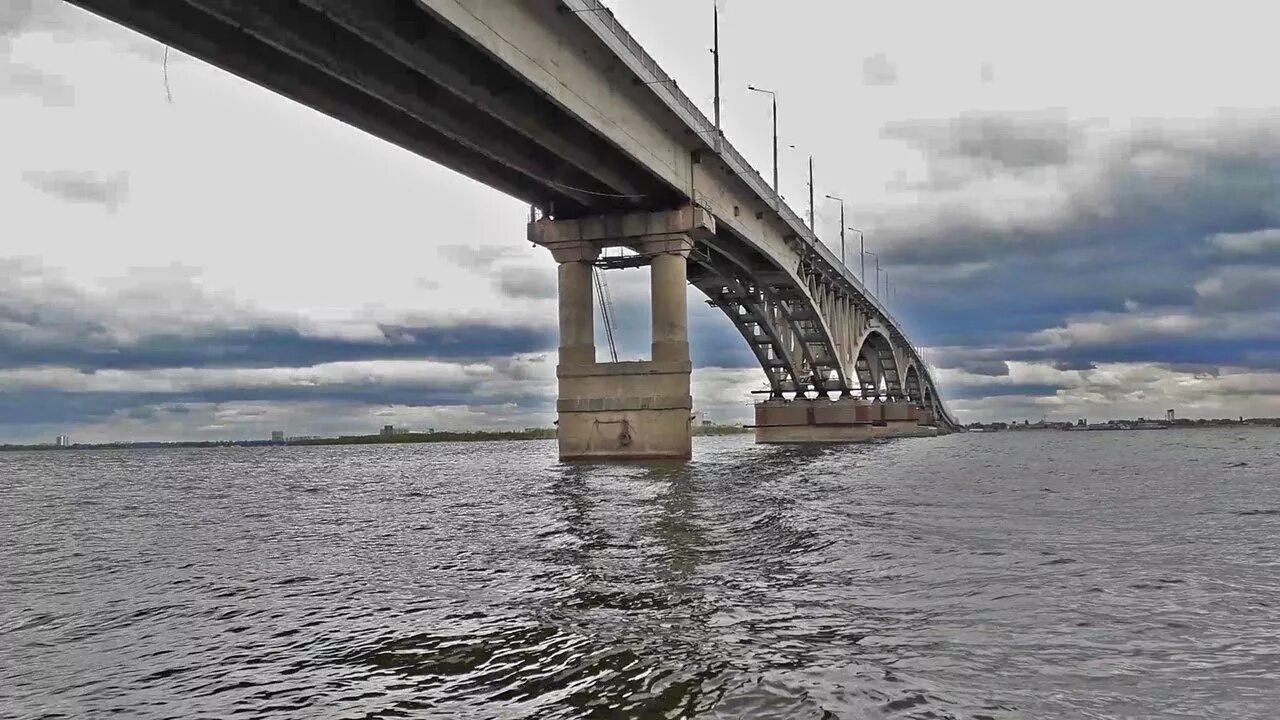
(197, 34)
(313, 39)
(401, 26)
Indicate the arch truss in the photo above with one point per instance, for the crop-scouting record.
(812, 331)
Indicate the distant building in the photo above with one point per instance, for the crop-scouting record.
(388, 430)
(277, 436)
(1169, 416)
(62, 441)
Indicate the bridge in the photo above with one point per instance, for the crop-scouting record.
(554, 103)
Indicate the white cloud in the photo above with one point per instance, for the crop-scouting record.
(1112, 328)
(1125, 390)
(1247, 244)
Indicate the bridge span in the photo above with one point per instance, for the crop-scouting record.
(554, 103)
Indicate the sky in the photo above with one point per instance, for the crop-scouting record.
(1078, 205)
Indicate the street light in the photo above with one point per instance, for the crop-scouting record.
(715, 50)
(862, 253)
(877, 257)
(833, 197)
(774, 95)
(812, 226)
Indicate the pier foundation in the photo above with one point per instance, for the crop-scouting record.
(845, 420)
(901, 419)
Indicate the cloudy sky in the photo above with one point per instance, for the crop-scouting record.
(1079, 204)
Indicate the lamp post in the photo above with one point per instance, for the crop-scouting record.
(833, 197)
(715, 6)
(774, 95)
(862, 253)
(877, 257)
(812, 225)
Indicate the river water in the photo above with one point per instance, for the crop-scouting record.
(1011, 575)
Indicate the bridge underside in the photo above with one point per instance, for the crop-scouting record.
(395, 70)
(398, 70)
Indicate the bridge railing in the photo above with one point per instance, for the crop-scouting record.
(600, 19)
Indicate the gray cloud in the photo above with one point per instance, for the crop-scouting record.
(1241, 288)
(531, 283)
(19, 79)
(19, 16)
(989, 368)
(1140, 196)
(177, 404)
(476, 258)
(96, 418)
(81, 187)
(879, 70)
(162, 317)
(16, 18)
(68, 24)
(1117, 390)
(1018, 141)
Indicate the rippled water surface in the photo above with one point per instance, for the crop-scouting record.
(1072, 575)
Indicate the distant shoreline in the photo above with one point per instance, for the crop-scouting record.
(379, 439)
(1125, 425)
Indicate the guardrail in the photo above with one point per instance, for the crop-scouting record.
(600, 19)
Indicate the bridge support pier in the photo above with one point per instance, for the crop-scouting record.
(844, 420)
(902, 419)
(624, 410)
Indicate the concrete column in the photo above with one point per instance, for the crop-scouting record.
(577, 314)
(624, 410)
(670, 308)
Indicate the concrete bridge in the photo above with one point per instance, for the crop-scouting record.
(554, 103)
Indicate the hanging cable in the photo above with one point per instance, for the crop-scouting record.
(571, 188)
(168, 91)
(606, 311)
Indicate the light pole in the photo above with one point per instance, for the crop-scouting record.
(833, 197)
(877, 257)
(862, 253)
(774, 95)
(812, 225)
(715, 4)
